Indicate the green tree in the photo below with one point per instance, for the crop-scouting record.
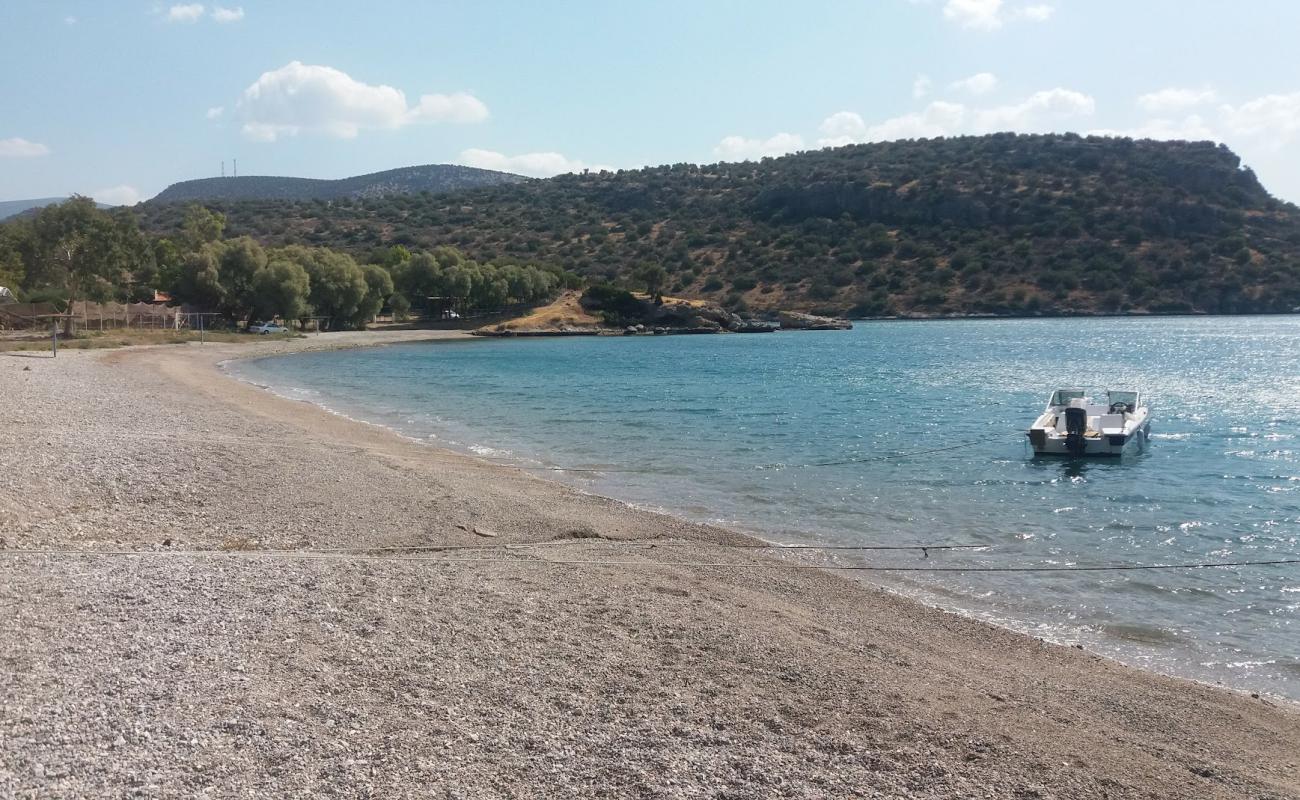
(240, 260)
(338, 286)
(379, 285)
(652, 277)
(85, 252)
(198, 280)
(460, 280)
(419, 278)
(281, 290)
(393, 256)
(167, 259)
(14, 239)
(401, 307)
(201, 226)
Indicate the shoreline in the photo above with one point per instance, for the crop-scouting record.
(676, 676)
(925, 594)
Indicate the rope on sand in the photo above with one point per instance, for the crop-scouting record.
(239, 441)
(776, 465)
(325, 555)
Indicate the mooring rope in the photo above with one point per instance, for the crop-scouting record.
(308, 555)
(250, 441)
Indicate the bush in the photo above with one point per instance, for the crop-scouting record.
(821, 290)
(50, 294)
(616, 306)
(401, 307)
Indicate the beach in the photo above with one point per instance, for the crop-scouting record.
(228, 593)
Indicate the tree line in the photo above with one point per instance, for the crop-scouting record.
(75, 251)
(999, 224)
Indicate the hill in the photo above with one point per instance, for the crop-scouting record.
(999, 224)
(12, 208)
(432, 178)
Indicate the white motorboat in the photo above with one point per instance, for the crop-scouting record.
(1073, 425)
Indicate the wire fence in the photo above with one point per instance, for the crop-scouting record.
(95, 316)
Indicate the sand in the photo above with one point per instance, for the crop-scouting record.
(219, 620)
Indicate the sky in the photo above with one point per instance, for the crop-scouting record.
(118, 100)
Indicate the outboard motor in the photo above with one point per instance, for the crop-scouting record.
(1076, 422)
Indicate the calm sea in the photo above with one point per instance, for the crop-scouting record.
(738, 430)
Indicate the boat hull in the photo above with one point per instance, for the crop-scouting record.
(1099, 446)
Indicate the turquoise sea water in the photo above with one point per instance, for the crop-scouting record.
(723, 428)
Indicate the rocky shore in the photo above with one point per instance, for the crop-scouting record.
(210, 591)
(617, 312)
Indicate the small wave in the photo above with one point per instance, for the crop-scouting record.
(1142, 634)
(1171, 437)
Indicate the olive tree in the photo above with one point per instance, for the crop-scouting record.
(281, 289)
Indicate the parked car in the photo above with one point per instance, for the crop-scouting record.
(267, 327)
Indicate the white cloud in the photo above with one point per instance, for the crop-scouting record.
(841, 128)
(1047, 110)
(21, 148)
(117, 195)
(989, 15)
(69, 20)
(190, 12)
(1192, 128)
(939, 118)
(1264, 124)
(301, 97)
(1276, 116)
(738, 148)
(977, 84)
(458, 107)
(537, 165)
(1041, 111)
(224, 15)
(983, 15)
(1038, 13)
(921, 86)
(215, 112)
(1173, 99)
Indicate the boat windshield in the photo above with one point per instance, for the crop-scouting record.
(1062, 397)
(1129, 399)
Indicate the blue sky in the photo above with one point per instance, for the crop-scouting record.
(120, 99)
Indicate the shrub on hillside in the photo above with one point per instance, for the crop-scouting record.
(616, 306)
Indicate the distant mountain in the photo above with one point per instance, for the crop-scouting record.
(431, 178)
(12, 208)
(1002, 225)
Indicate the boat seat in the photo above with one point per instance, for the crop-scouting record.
(1111, 423)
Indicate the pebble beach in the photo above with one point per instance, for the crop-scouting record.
(210, 591)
